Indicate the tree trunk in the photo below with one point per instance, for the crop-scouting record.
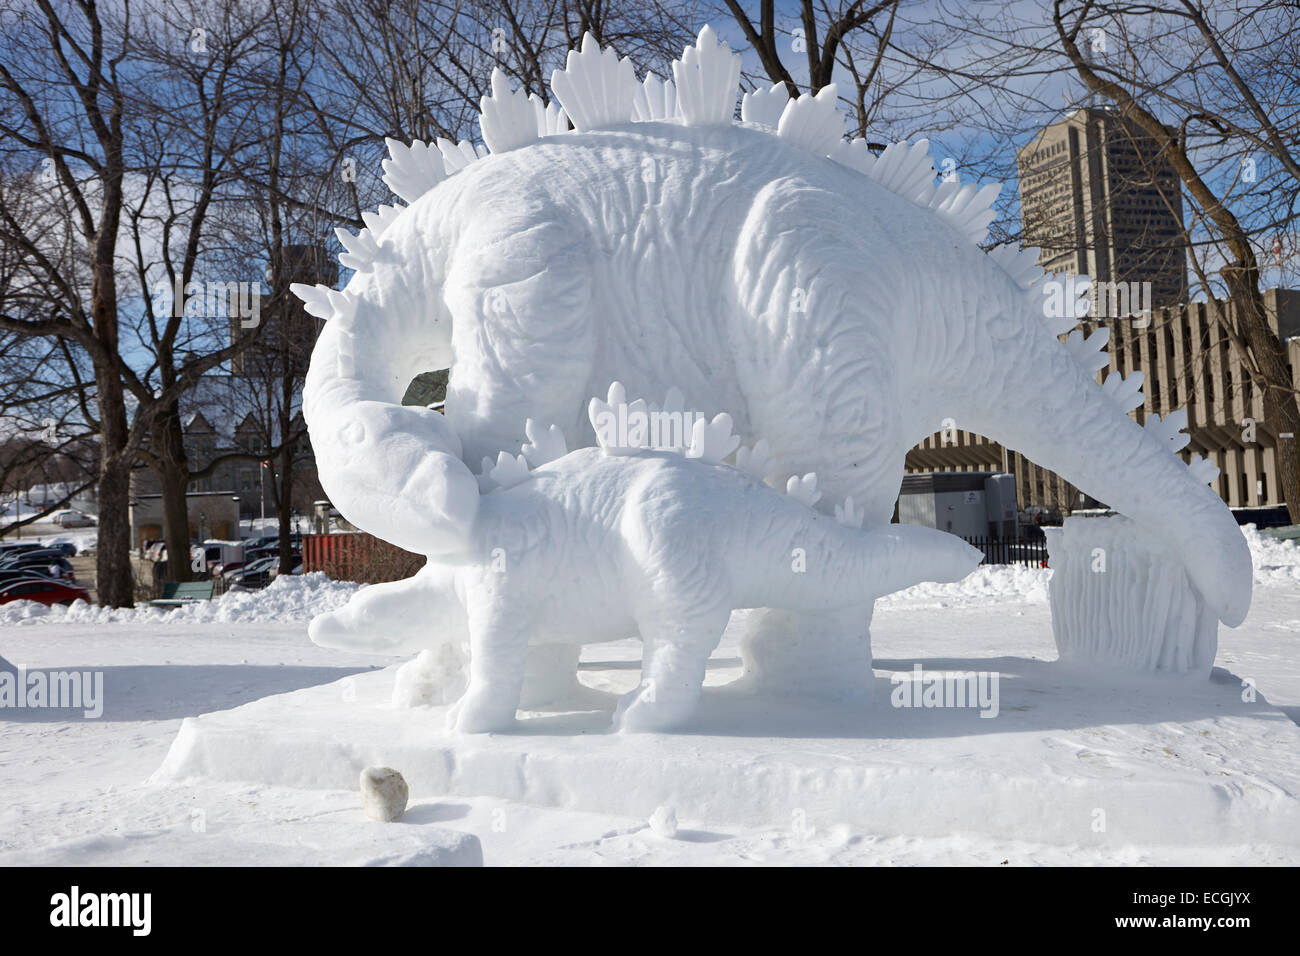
(285, 496)
(114, 581)
(172, 469)
(1281, 413)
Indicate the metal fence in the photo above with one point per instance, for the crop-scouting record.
(1007, 551)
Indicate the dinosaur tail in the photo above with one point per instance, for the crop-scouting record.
(391, 469)
(1065, 422)
(825, 565)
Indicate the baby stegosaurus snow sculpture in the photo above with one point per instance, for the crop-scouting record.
(834, 302)
(659, 539)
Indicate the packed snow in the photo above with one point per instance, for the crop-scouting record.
(75, 791)
(287, 599)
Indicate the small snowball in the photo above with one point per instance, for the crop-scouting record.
(664, 822)
(383, 793)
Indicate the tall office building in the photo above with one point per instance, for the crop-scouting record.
(1098, 198)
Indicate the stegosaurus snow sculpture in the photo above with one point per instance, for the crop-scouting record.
(643, 541)
(834, 302)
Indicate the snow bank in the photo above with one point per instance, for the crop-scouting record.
(1276, 562)
(290, 599)
(987, 584)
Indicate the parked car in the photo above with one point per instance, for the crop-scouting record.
(258, 574)
(229, 577)
(48, 562)
(217, 553)
(43, 591)
(19, 547)
(39, 569)
(297, 567)
(74, 519)
(35, 558)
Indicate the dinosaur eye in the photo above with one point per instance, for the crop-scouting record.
(353, 433)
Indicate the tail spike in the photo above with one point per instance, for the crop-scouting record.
(383, 217)
(906, 170)
(1089, 352)
(813, 122)
(550, 118)
(456, 156)
(855, 155)
(1203, 470)
(764, 107)
(596, 88)
(804, 488)
(362, 250)
(656, 100)
(1126, 391)
(1021, 264)
(507, 119)
(707, 77)
(411, 171)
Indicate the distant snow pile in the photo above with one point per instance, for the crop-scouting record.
(290, 599)
(987, 584)
(1276, 562)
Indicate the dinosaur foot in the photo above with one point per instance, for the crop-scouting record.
(478, 712)
(639, 712)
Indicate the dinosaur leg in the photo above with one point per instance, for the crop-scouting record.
(822, 387)
(828, 654)
(677, 650)
(551, 678)
(825, 655)
(498, 640)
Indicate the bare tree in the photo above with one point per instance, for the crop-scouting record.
(65, 99)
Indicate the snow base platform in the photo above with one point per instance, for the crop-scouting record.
(1072, 757)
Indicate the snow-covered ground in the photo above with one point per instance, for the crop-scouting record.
(74, 790)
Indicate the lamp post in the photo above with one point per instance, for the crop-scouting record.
(238, 517)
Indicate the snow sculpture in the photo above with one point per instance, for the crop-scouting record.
(833, 302)
(1120, 599)
(655, 542)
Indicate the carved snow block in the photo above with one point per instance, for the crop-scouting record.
(1122, 600)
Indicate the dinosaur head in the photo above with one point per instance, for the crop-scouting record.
(402, 617)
